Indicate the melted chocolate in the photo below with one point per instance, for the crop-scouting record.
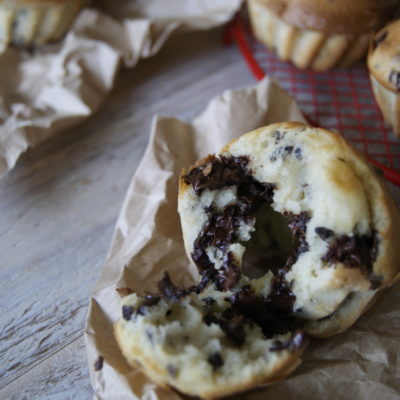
(271, 314)
(353, 251)
(221, 228)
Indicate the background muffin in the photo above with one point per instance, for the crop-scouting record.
(34, 22)
(318, 34)
(384, 68)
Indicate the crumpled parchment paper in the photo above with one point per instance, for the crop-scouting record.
(54, 87)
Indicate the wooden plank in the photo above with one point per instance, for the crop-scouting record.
(59, 206)
(64, 375)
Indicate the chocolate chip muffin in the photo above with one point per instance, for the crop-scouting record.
(27, 23)
(300, 203)
(319, 34)
(384, 68)
(291, 233)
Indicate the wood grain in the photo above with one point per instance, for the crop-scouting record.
(60, 204)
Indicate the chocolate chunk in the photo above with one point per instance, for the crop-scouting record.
(98, 365)
(288, 149)
(323, 233)
(148, 301)
(278, 136)
(298, 153)
(124, 291)
(379, 39)
(127, 312)
(172, 370)
(215, 360)
(169, 290)
(375, 281)
(394, 78)
(209, 301)
(216, 173)
(353, 251)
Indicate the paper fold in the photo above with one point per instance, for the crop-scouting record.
(57, 86)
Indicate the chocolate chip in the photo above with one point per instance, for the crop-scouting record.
(356, 251)
(148, 301)
(168, 313)
(298, 153)
(98, 365)
(323, 233)
(127, 312)
(394, 78)
(209, 301)
(215, 360)
(379, 39)
(172, 370)
(169, 290)
(278, 136)
(124, 291)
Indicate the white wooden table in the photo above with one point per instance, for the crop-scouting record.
(59, 206)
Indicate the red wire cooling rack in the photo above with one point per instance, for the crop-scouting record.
(340, 100)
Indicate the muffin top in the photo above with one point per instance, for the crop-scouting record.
(384, 56)
(339, 16)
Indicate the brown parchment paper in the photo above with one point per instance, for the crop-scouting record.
(363, 363)
(56, 86)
